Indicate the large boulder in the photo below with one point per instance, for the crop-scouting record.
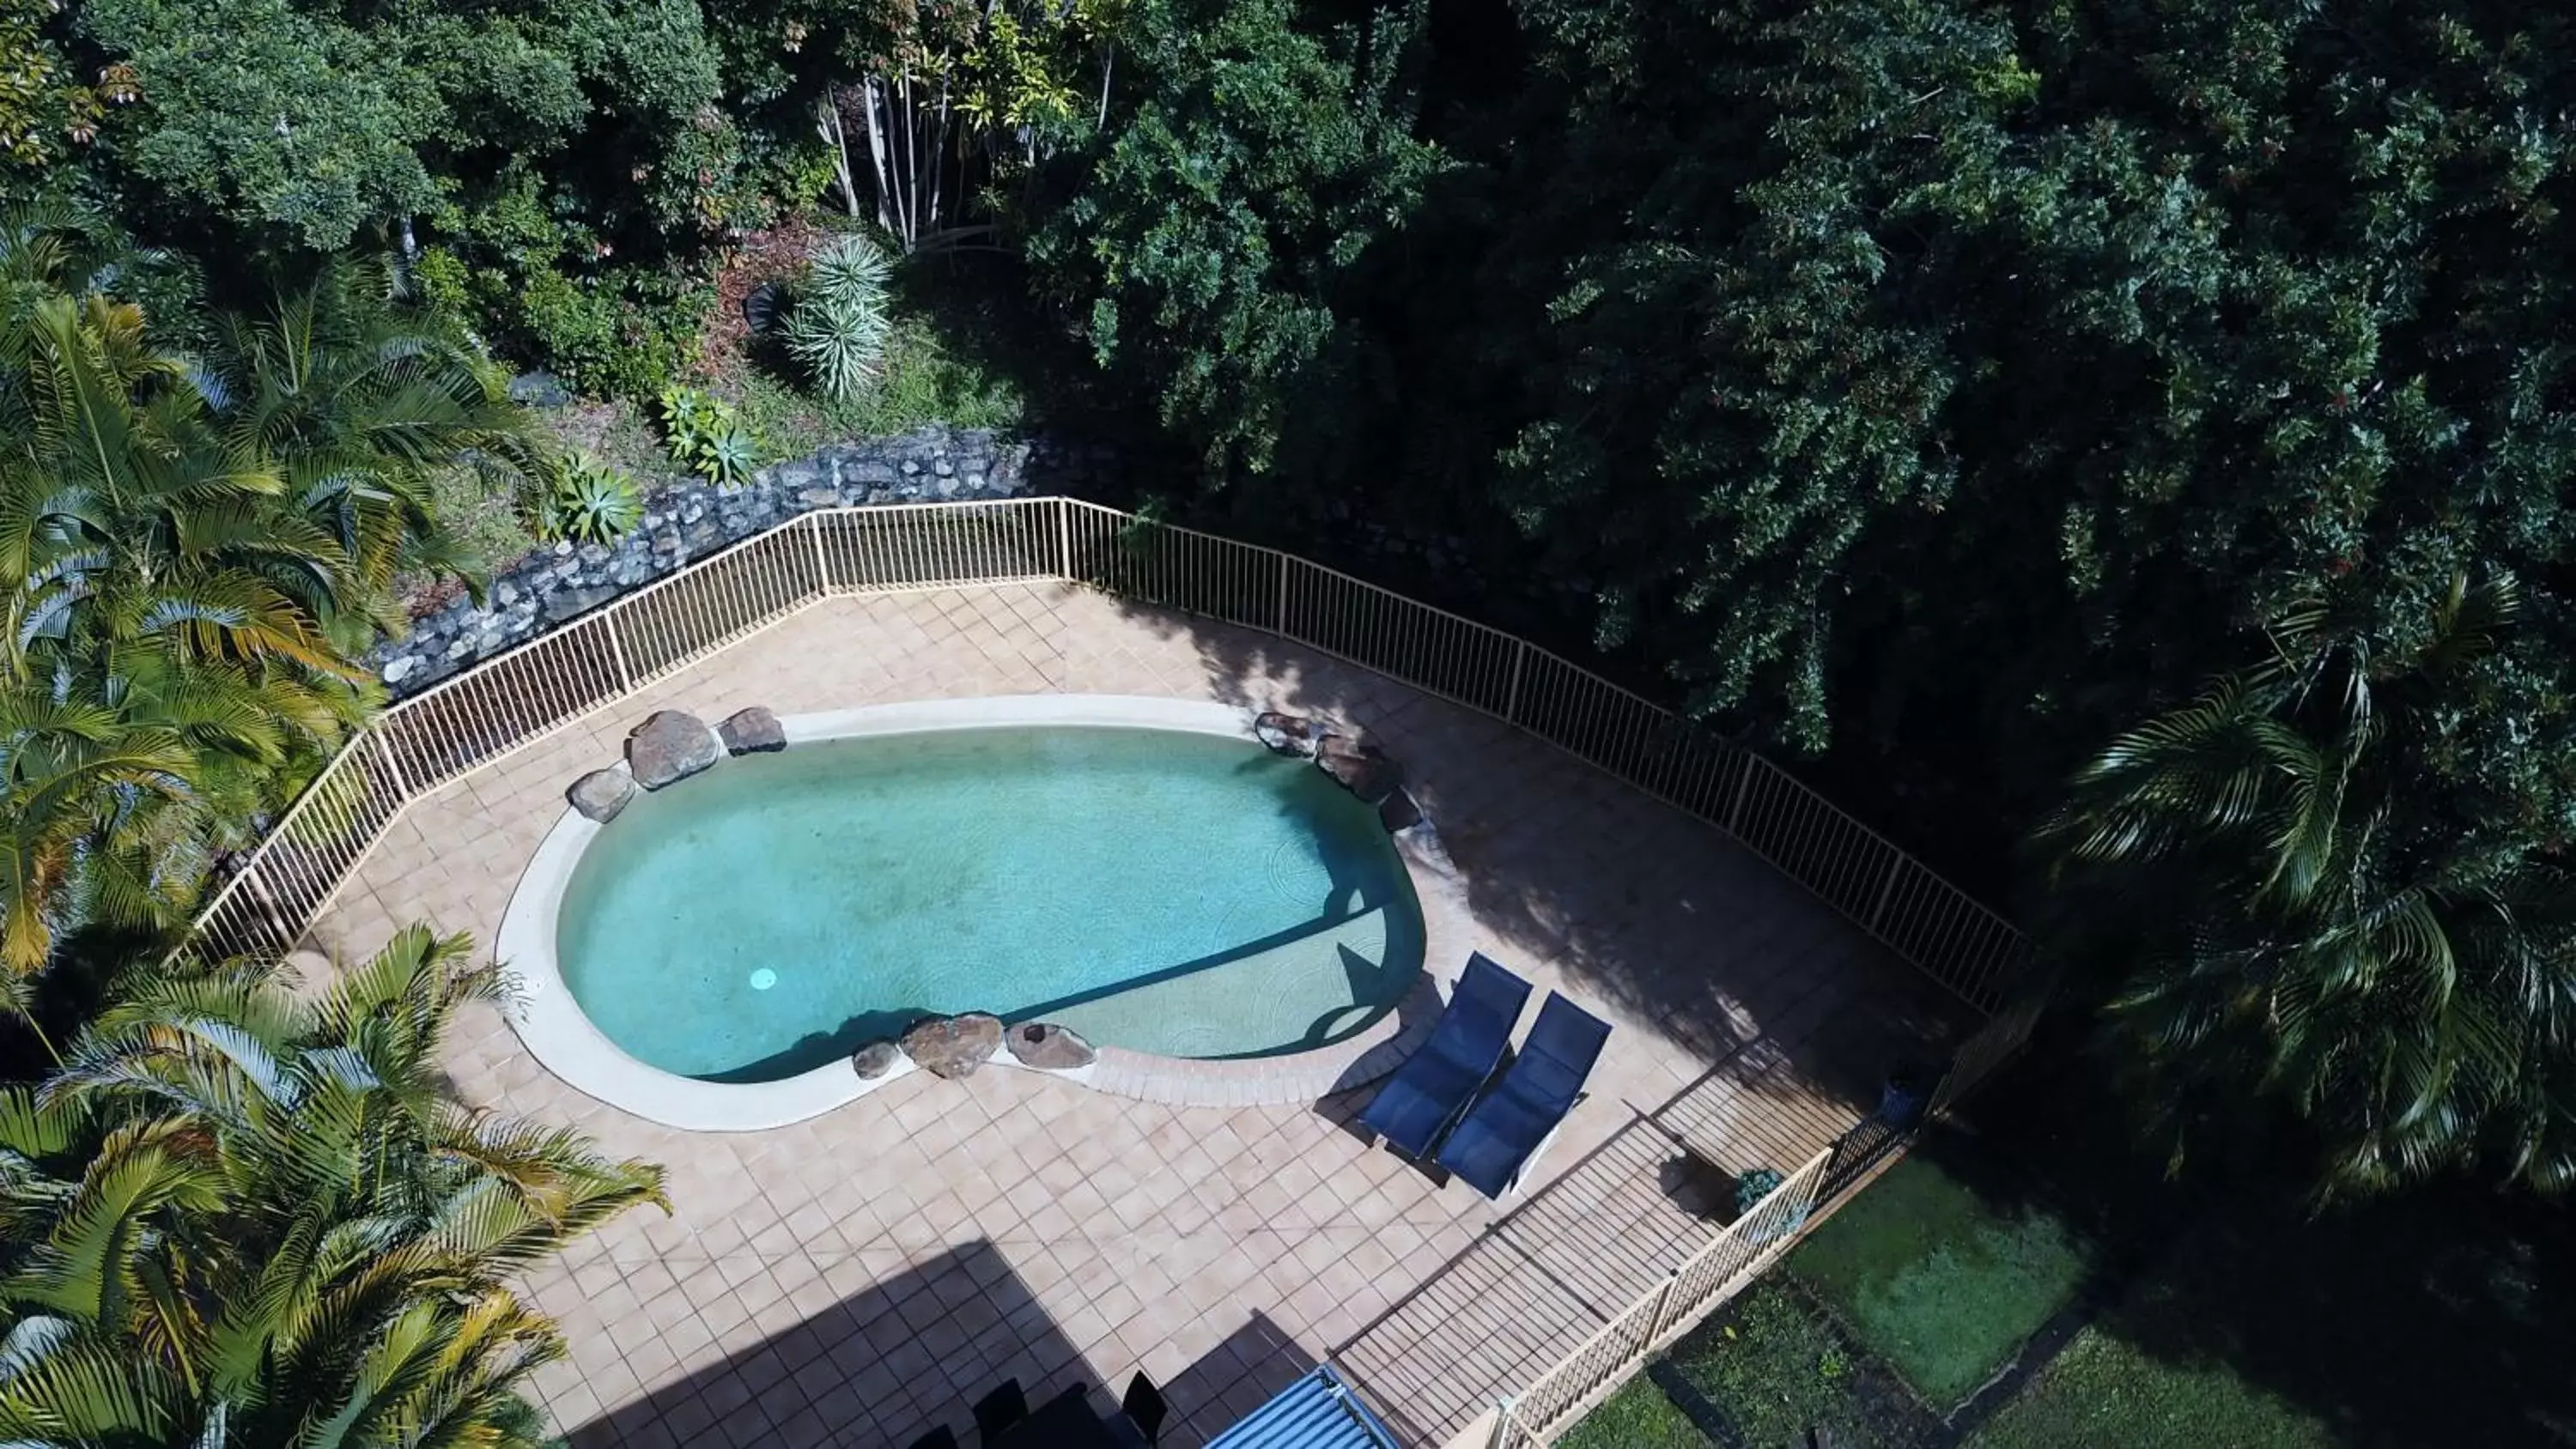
(670, 747)
(1360, 767)
(1045, 1044)
(953, 1046)
(1286, 734)
(753, 730)
(875, 1060)
(602, 793)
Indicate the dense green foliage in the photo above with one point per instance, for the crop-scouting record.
(1949, 385)
(248, 1214)
(193, 546)
(2317, 923)
(1253, 164)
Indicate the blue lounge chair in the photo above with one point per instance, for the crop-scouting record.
(1511, 1125)
(1435, 1084)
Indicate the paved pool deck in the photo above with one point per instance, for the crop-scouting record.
(859, 1279)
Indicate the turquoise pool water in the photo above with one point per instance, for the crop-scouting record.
(1177, 893)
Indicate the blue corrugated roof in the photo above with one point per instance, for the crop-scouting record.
(1318, 1411)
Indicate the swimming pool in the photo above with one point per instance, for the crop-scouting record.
(1176, 892)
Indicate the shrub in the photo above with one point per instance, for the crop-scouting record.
(588, 501)
(705, 435)
(838, 330)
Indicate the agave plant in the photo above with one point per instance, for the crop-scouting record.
(729, 455)
(704, 434)
(246, 1215)
(838, 329)
(588, 501)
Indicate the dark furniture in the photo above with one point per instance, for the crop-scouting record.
(1144, 1407)
(1000, 1409)
(1418, 1105)
(1512, 1124)
(1066, 1421)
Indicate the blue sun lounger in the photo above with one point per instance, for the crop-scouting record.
(1508, 1128)
(1436, 1083)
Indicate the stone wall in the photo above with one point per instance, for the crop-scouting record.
(688, 519)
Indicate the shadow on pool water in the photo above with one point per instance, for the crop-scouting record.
(1376, 987)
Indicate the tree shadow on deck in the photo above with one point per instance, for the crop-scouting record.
(1635, 902)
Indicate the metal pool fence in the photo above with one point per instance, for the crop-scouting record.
(504, 702)
(608, 655)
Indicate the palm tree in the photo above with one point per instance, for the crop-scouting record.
(196, 548)
(84, 794)
(241, 1215)
(2311, 929)
(361, 400)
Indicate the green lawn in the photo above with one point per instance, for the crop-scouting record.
(1940, 1281)
(2104, 1390)
(1636, 1417)
(1774, 1371)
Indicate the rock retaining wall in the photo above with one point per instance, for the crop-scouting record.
(689, 519)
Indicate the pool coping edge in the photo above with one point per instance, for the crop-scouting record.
(565, 1041)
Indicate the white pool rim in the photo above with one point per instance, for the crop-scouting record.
(563, 1039)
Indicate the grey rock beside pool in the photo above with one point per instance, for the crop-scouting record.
(752, 731)
(875, 1060)
(669, 747)
(953, 1046)
(601, 794)
(1050, 1047)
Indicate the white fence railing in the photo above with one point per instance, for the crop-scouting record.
(1720, 1269)
(504, 702)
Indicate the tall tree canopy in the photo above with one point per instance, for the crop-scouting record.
(1254, 161)
(2060, 339)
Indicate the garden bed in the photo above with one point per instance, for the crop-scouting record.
(1772, 1367)
(1639, 1416)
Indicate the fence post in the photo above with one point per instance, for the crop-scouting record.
(268, 906)
(1743, 787)
(1886, 891)
(1282, 629)
(1663, 1305)
(1512, 695)
(1064, 539)
(1502, 1424)
(617, 651)
(822, 555)
(393, 767)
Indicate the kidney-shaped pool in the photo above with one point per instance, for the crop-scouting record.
(1180, 893)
